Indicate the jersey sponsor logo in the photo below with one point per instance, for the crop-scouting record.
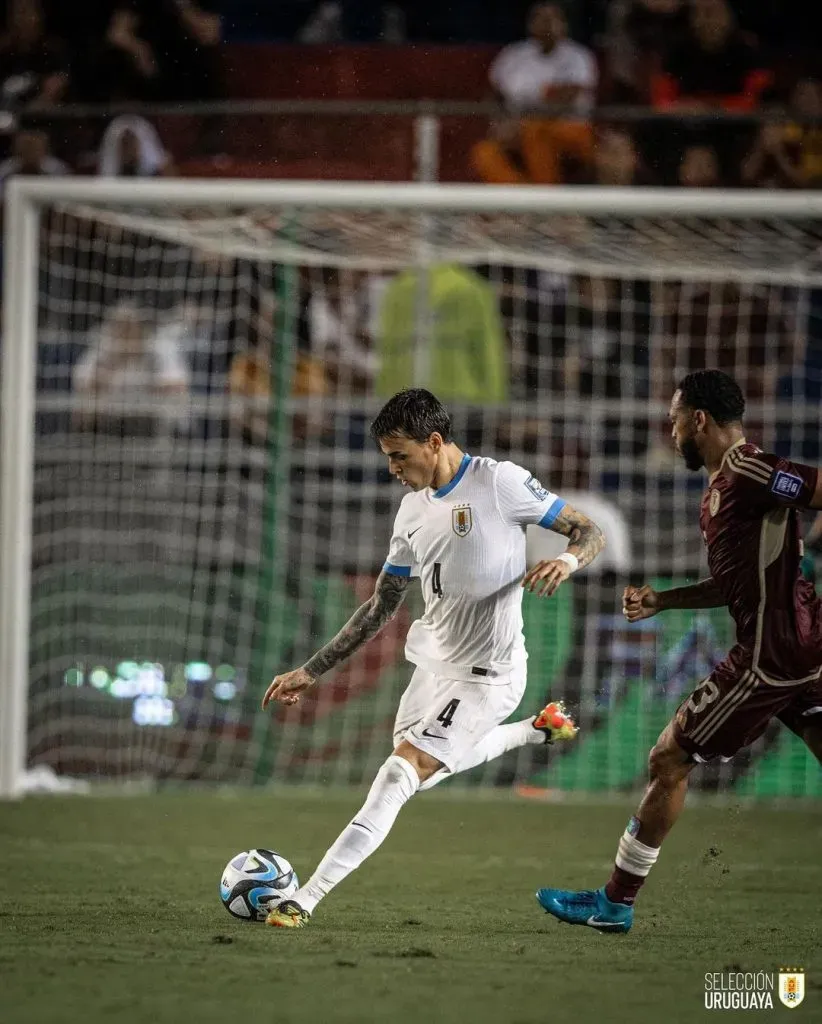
(536, 488)
(462, 520)
(786, 485)
(713, 503)
(432, 735)
(412, 532)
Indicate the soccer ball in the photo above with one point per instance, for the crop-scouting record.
(254, 881)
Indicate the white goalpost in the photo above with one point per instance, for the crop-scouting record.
(189, 501)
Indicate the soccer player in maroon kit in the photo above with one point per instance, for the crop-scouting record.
(750, 525)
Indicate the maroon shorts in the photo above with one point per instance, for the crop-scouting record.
(733, 706)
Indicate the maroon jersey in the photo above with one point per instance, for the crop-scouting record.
(751, 528)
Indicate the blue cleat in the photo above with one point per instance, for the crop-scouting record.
(589, 906)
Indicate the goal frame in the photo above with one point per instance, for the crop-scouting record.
(25, 198)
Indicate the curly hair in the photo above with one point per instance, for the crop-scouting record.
(714, 392)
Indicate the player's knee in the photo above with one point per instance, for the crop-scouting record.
(396, 781)
(424, 764)
(668, 762)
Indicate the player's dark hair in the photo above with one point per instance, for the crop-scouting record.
(414, 413)
(714, 392)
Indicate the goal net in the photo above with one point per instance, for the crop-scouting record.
(189, 374)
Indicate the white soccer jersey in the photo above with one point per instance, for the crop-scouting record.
(466, 542)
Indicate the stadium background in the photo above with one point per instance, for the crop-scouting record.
(149, 652)
(215, 522)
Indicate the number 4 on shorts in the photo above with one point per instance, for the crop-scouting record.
(446, 716)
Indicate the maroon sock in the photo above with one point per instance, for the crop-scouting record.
(623, 887)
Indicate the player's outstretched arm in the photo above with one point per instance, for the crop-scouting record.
(585, 541)
(643, 602)
(365, 623)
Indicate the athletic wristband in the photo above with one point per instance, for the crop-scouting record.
(570, 560)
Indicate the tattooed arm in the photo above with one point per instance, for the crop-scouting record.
(585, 541)
(365, 623)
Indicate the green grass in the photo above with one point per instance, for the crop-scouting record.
(110, 913)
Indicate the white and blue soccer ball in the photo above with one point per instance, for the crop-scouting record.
(254, 881)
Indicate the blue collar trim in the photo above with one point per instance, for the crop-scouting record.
(452, 483)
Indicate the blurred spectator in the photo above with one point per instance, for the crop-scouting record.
(185, 37)
(788, 153)
(31, 154)
(771, 162)
(34, 69)
(250, 379)
(131, 148)
(712, 65)
(340, 325)
(638, 33)
(325, 25)
(699, 168)
(616, 160)
(128, 361)
(806, 102)
(467, 351)
(546, 68)
(122, 65)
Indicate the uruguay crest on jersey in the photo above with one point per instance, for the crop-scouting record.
(462, 519)
(792, 987)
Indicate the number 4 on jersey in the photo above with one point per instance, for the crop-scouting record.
(436, 582)
(446, 716)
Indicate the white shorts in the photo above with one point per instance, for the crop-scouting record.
(447, 718)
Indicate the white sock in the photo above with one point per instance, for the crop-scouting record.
(495, 743)
(634, 856)
(394, 785)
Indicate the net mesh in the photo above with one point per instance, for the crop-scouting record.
(209, 509)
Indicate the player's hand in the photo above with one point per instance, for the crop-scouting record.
(288, 687)
(639, 603)
(544, 578)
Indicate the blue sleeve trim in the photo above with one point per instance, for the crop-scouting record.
(397, 570)
(552, 512)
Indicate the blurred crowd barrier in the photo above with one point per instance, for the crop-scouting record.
(453, 141)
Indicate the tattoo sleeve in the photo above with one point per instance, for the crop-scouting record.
(704, 594)
(585, 539)
(365, 623)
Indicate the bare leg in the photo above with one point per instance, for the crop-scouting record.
(669, 768)
(664, 797)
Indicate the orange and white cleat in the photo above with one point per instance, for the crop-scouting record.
(555, 723)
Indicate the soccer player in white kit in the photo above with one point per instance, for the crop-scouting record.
(461, 532)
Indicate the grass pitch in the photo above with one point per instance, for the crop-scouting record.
(110, 913)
